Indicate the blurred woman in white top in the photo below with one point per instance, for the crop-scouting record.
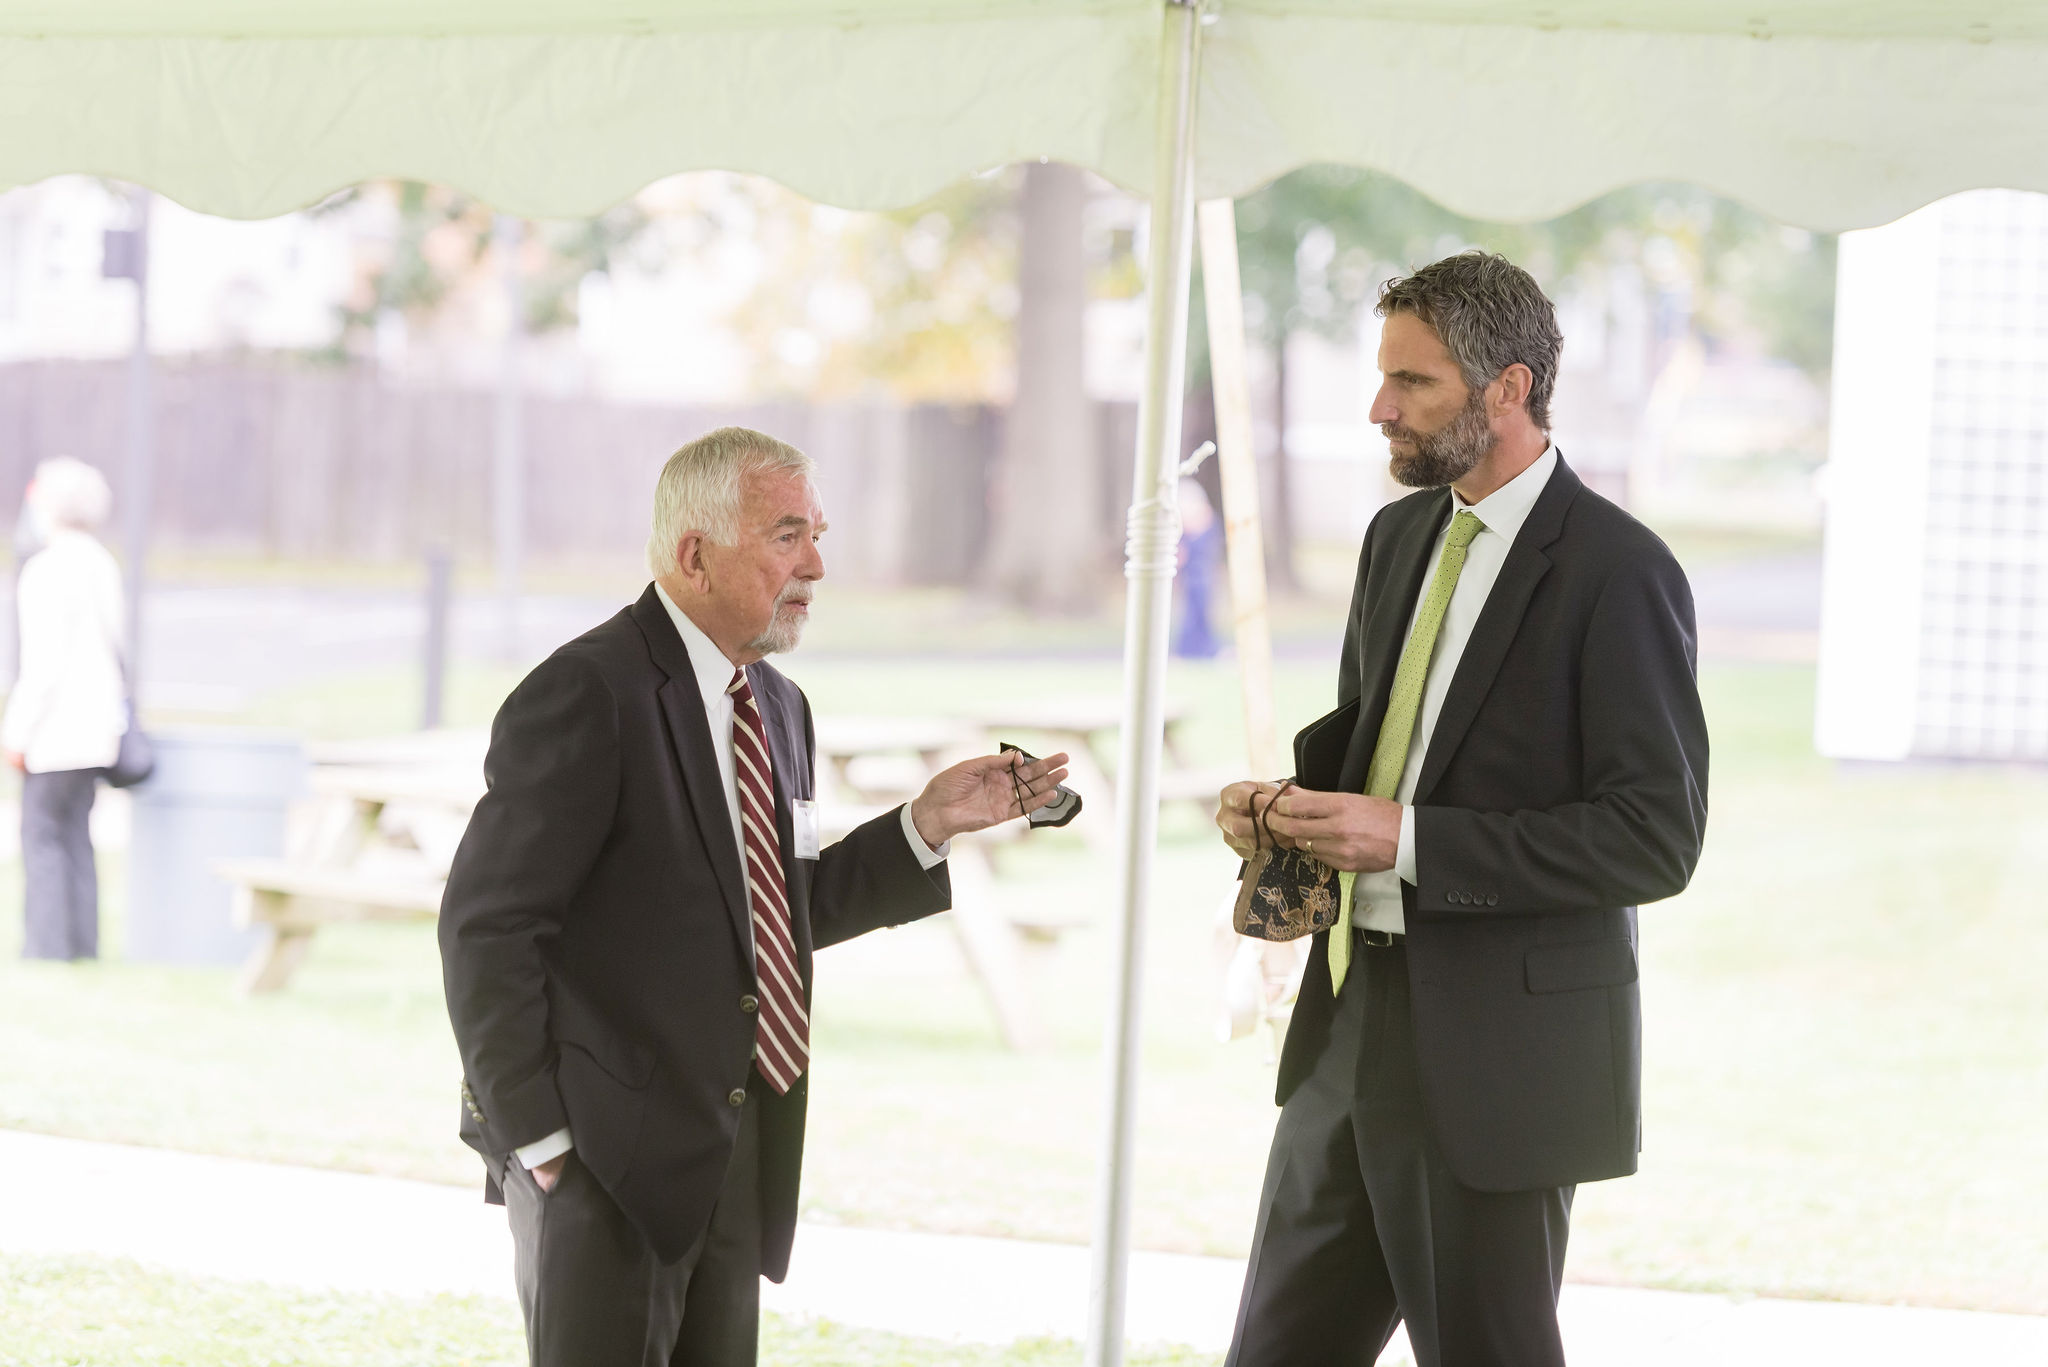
(68, 709)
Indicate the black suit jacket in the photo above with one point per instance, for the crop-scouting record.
(1565, 783)
(595, 936)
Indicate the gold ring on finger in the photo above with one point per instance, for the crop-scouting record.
(1308, 847)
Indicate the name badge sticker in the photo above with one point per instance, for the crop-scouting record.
(803, 816)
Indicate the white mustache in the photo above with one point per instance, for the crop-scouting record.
(795, 593)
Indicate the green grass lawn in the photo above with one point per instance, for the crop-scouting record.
(1847, 1043)
(86, 1312)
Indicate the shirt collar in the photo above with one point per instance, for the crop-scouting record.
(707, 661)
(1507, 508)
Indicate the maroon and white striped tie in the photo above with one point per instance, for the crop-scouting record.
(782, 1037)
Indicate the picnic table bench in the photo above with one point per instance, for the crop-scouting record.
(373, 844)
(290, 901)
(375, 841)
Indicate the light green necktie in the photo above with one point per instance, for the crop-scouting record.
(1390, 753)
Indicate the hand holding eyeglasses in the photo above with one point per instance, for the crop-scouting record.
(985, 791)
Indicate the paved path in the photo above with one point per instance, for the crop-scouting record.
(220, 1217)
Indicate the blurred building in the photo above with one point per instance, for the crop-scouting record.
(268, 285)
(1934, 625)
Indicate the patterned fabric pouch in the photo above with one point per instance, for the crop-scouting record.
(1285, 894)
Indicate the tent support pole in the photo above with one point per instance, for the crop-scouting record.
(1243, 538)
(508, 456)
(139, 468)
(1152, 548)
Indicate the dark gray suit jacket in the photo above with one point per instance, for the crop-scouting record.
(1565, 782)
(596, 941)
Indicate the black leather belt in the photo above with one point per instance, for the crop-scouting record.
(1377, 939)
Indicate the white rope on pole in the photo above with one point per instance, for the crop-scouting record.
(1152, 547)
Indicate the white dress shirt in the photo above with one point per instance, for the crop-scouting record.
(69, 704)
(714, 677)
(1377, 896)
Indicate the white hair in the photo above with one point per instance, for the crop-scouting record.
(700, 488)
(69, 493)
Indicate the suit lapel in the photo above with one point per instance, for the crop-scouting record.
(1499, 620)
(689, 731)
(1388, 609)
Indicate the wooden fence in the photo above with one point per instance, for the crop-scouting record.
(277, 459)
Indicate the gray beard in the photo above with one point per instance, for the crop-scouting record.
(1449, 454)
(782, 635)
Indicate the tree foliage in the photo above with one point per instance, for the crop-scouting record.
(439, 243)
(1314, 245)
(917, 303)
(920, 303)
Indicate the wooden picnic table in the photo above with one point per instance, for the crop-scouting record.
(856, 780)
(1079, 725)
(441, 748)
(373, 843)
(853, 751)
(377, 837)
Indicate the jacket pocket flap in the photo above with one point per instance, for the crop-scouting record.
(1592, 963)
(627, 1061)
(632, 1066)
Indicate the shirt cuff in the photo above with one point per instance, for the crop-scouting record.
(927, 857)
(1404, 852)
(541, 1150)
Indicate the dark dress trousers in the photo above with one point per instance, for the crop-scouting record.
(1496, 1051)
(597, 944)
(60, 881)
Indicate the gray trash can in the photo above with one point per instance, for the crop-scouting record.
(217, 793)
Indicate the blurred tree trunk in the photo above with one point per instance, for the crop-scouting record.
(1045, 549)
(1279, 512)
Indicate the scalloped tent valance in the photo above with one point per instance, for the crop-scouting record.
(1828, 113)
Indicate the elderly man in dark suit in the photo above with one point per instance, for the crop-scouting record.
(628, 928)
(1517, 760)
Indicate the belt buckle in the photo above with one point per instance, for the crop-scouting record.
(1377, 939)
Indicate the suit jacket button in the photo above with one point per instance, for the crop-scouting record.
(736, 1097)
(1451, 897)
(750, 1004)
(1493, 899)
(1464, 899)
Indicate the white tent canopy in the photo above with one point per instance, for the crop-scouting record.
(1828, 113)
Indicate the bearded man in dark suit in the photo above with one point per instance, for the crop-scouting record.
(628, 927)
(1518, 759)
